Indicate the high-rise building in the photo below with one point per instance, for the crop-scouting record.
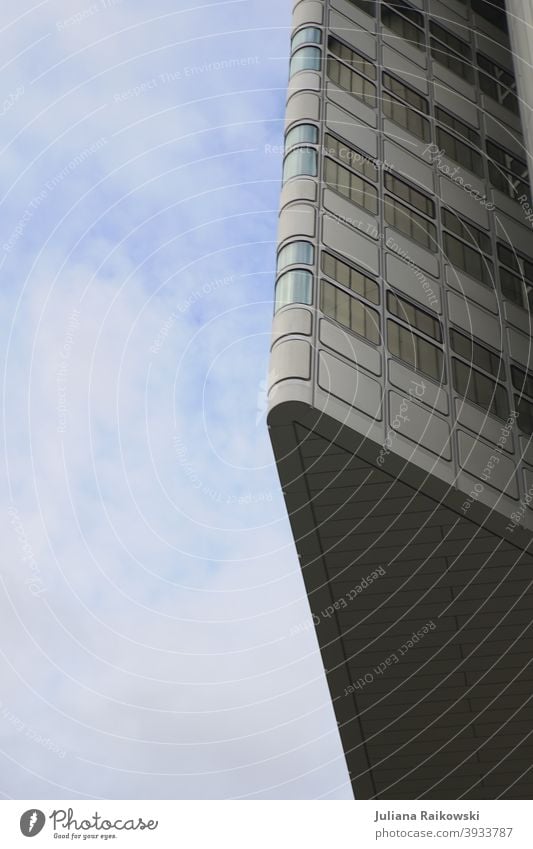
(401, 383)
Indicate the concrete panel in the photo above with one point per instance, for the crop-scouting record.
(308, 11)
(355, 14)
(351, 213)
(482, 424)
(291, 320)
(408, 165)
(404, 69)
(352, 104)
(471, 288)
(467, 315)
(419, 425)
(413, 282)
(295, 190)
(405, 47)
(455, 195)
(455, 103)
(517, 316)
(444, 75)
(510, 232)
(352, 34)
(345, 240)
(290, 359)
(520, 347)
(302, 106)
(412, 252)
(397, 134)
(352, 129)
(298, 219)
(451, 18)
(350, 346)
(486, 464)
(303, 81)
(350, 385)
(418, 387)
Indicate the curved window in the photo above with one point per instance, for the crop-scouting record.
(300, 162)
(307, 35)
(295, 254)
(294, 287)
(302, 134)
(305, 59)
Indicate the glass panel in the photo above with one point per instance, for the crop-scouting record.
(351, 57)
(296, 253)
(294, 287)
(305, 36)
(410, 223)
(522, 380)
(302, 161)
(305, 59)
(301, 134)
(349, 312)
(414, 316)
(480, 390)
(469, 260)
(350, 156)
(415, 351)
(340, 180)
(350, 277)
(475, 353)
(525, 415)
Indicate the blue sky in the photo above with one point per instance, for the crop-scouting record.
(149, 581)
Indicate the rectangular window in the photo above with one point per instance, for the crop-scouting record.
(351, 81)
(351, 313)
(521, 264)
(350, 186)
(497, 83)
(368, 6)
(403, 26)
(355, 60)
(475, 353)
(460, 152)
(512, 287)
(480, 389)
(351, 157)
(415, 351)
(414, 316)
(507, 173)
(410, 223)
(459, 127)
(467, 231)
(405, 93)
(349, 277)
(404, 191)
(451, 52)
(522, 380)
(406, 117)
(468, 260)
(524, 409)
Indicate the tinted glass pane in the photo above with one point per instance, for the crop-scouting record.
(294, 287)
(296, 253)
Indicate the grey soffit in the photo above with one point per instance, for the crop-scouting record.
(439, 715)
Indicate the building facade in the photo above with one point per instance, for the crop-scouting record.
(401, 383)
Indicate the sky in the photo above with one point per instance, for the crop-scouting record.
(155, 636)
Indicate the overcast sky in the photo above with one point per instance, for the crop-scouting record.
(150, 588)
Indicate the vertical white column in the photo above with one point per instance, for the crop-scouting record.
(520, 20)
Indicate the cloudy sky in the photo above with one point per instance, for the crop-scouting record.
(150, 590)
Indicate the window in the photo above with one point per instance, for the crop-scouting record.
(351, 81)
(466, 230)
(415, 351)
(522, 380)
(308, 35)
(368, 6)
(479, 389)
(451, 52)
(459, 151)
(468, 260)
(401, 108)
(305, 59)
(410, 223)
(353, 59)
(408, 11)
(350, 312)
(524, 409)
(350, 278)
(300, 162)
(351, 186)
(517, 262)
(409, 194)
(302, 134)
(516, 285)
(475, 353)
(417, 318)
(405, 27)
(294, 287)
(497, 83)
(511, 286)
(507, 173)
(493, 11)
(351, 157)
(457, 126)
(296, 253)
